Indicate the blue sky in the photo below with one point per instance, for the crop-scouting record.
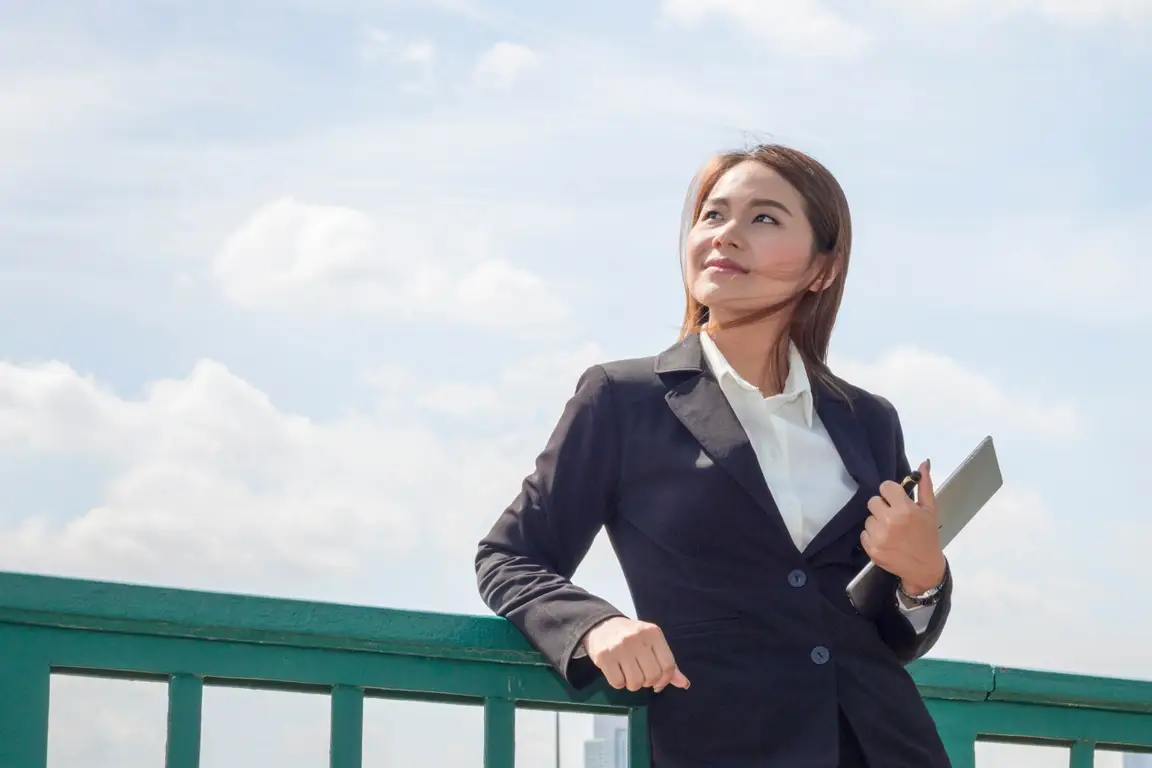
(271, 271)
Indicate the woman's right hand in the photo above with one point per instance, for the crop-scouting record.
(633, 654)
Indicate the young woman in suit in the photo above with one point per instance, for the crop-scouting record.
(742, 485)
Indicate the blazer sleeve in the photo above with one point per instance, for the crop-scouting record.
(525, 564)
(894, 627)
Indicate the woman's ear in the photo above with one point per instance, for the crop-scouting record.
(827, 275)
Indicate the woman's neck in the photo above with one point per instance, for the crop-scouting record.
(758, 352)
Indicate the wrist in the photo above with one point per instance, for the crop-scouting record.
(914, 588)
(921, 583)
(589, 635)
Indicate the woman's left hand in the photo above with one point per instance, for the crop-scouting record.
(902, 536)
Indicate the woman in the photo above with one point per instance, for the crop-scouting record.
(742, 486)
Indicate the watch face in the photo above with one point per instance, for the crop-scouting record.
(926, 598)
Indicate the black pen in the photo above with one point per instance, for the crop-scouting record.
(910, 481)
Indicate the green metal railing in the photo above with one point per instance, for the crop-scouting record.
(192, 639)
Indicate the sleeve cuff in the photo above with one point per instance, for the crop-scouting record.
(917, 615)
(579, 670)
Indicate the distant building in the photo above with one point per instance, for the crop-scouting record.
(608, 747)
(1137, 761)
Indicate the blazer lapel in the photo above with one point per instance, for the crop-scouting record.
(700, 405)
(850, 436)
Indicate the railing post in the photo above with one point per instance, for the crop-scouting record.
(347, 728)
(1083, 754)
(185, 714)
(25, 682)
(638, 747)
(499, 733)
(961, 746)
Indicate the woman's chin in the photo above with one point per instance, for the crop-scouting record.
(710, 292)
(719, 297)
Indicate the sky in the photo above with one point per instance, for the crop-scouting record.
(293, 292)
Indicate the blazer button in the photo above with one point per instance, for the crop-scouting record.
(820, 655)
(797, 578)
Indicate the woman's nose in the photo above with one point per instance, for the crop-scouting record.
(724, 239)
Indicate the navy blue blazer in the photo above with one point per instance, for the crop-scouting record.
(650, 449)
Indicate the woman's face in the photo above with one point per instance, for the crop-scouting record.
(751, 247)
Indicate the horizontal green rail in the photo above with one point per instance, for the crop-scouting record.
(192, 639)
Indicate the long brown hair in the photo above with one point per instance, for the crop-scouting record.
(826, 208)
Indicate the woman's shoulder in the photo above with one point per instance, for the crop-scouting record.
(626, 381)
(630, 371)
(645, 370)
(622, 375)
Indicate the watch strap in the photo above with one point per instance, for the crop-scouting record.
(931, 596)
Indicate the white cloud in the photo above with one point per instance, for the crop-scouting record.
(40, 109)
(206, 474)
(1067, 264)
(1090, 269)
(464, 9)
(422, 53)
(1066, 12)
(291, 255)
(503, 63)
(376, 44)
(379, 45)
(550, 376)
(1016, 527)
(929, 388)
(422, 56)
(1032, 590)
(794, 28)
(813, 28)
(210, 484)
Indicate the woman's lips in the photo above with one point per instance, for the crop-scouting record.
(725, 265)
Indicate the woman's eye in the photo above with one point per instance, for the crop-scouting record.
(708, 215)
(766, 218)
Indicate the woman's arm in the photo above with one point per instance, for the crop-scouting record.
(895, 627)
(899, 634)
(525, 563)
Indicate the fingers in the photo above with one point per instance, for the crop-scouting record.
(666, 668)
(635, 655)
(926, 494)
(893, 494)
(633, 675)
(872, 535)
(613, 673)
(649, 667)
(669, 672)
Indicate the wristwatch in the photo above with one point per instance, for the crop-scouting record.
(930, 597)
